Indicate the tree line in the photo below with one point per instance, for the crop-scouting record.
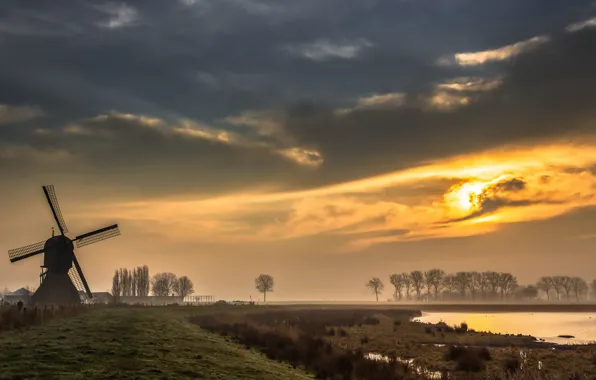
(435, 284)
(137, 283)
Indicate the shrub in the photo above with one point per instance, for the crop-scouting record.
(468, 359)
(511, 365)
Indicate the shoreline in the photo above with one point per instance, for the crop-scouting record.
(452, 307)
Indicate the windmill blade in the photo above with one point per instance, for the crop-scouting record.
(53, 201)
(97, 235)
(78, 278)
(25, 252)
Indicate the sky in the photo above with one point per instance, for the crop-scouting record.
(322, 142)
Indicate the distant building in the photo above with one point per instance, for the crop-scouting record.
(98, 297)
(22, 294)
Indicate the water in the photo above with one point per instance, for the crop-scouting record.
(547, 326)
(431, 375)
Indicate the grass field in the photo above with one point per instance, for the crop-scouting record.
(131, 343)
(162, 343)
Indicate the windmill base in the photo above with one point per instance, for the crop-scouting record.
(56, 289)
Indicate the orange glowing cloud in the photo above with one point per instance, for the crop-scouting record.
(487, 190)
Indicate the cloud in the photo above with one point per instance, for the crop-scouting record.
(16, 114)
(507, 186)
(575, 27)
(323, 49)
(501, 54)
(120, 15)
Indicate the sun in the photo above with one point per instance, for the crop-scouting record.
(462, 196)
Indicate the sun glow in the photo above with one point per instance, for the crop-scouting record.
(462, 197)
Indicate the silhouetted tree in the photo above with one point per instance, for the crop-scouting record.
(116, 286)
(450, 284)
(477, 284)
(545, 284)
(558, 282)
(162, 284)
(462, 281)
(264, 284)
(526, 293)
(579, 287)
(407, 284)
(417, 279)
(183, 287)
(492, 279)
(434, 280)
(507, 284)
(397, 280)
(567, 286)
(376, 286)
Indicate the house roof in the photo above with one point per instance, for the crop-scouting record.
(19, 292)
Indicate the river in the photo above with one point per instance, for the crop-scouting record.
(547, 326)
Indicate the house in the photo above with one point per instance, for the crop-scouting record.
(98, 297)
(22, 294)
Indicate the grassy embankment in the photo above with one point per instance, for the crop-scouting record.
(160, 343)
(131, 343)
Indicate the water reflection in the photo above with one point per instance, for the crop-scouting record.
(410, 362)
(547, 326)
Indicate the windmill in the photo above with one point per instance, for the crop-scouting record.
(61, 283)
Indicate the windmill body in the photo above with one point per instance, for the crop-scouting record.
(62, 278)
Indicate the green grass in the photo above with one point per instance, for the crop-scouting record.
(131, 343)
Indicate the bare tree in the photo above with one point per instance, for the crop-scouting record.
(183, 287)
(593, 286)
(145, 283)
(493, 281)
(463, 282)
(397, 280)
(477, 284)
(434, 280)
(417, 279)
(567, 286)
(407, 284)
(376, 286)
(507, 284)
(557, 282)
(450, 284)
(545, 284)
(579, 287)
(162, 284)
(264, 284)
(116, 286)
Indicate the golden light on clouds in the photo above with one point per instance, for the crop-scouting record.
(478, 194)
(499, 54)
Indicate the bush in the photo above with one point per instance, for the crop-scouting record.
(371, 321)
(511, 366)
(469, 359)
(461, 328)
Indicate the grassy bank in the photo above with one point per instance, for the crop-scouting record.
(131, 343)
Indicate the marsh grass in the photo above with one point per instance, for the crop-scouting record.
(13, 318)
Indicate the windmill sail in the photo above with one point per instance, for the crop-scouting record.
(25, 252)
(55, 207)
(97, 235)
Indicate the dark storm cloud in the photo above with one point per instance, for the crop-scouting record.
(546, 93)
(207, 60)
